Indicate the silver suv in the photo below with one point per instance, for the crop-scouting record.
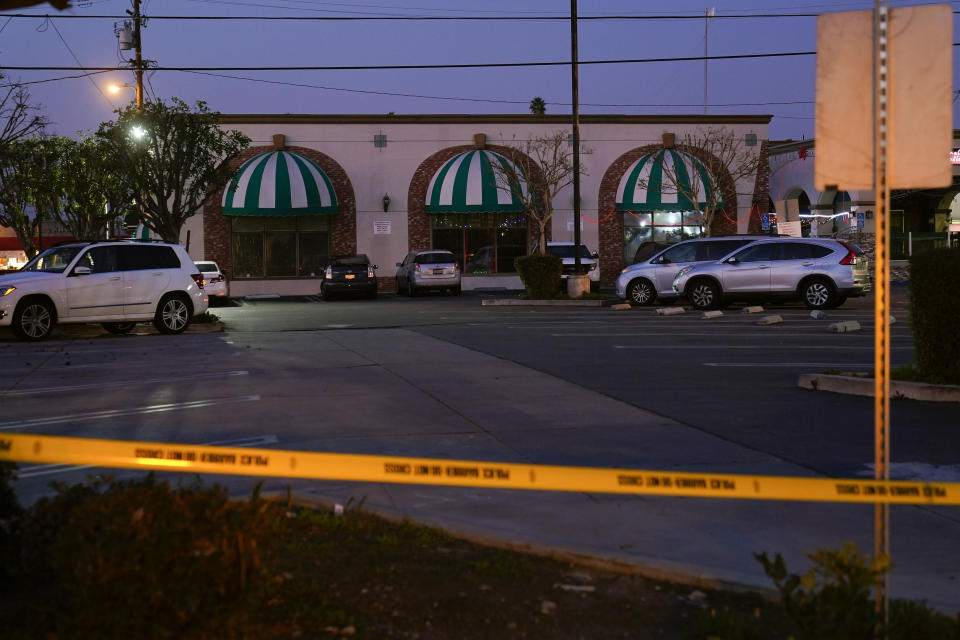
(652, 279)
(821, 272)
(432, 269)
(114, 283)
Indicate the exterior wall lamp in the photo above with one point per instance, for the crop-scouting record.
(386, 202)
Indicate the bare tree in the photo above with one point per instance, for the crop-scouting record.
(18, 118)
(539, 169)
(712, 159)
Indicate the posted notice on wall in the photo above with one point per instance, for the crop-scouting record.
(791, 229)
(381, 228)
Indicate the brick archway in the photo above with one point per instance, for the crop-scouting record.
(343, 227)
(611, 225)
(418, 220)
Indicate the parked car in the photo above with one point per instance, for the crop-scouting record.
(114, 283)
(349, 275)
(821, 272)
(650, 280)
(589, 261)
(433, 269)
(214, 284)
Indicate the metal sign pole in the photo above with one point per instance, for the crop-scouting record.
(881, 21)
(575, 90)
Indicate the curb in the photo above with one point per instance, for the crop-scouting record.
(499, 302)
(864, 387)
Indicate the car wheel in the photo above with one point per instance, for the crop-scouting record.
(34, 319)
(119, 328)
(837, 301)
(703, 295)
(173, 314)
(411, 290)
(640, 292)
(818, 294)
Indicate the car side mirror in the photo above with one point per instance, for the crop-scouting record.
(595, 255)
(732, 260)
(81, 270)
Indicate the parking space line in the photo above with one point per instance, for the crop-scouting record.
(117, 383)
(115, 413)
(711, 334)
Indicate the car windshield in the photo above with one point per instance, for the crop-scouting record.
(207, 267)
(435, 258)
(359, 259)
(53, 260)
(566, 251)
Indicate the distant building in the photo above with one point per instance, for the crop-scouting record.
(312, 186)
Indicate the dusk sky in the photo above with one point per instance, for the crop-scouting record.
(780, 86)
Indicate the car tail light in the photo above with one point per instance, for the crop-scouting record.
(416, 267)
(217, 278)
(370, 272)
(850, 258)
(198, 278)
(328, 274)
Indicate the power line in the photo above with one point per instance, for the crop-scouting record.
(96, 86)
(406, 18)
(491, 100)
(466, 65)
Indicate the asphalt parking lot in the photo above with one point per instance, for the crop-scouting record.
(446, 377)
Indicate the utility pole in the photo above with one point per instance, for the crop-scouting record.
(576, 136)
(707, 14)
(138, 60)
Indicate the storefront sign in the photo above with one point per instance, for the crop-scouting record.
(381, 228)
(955, 156)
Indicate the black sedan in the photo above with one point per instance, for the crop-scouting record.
(349, 275)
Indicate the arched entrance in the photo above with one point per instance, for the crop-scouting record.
(634, 187)
(454, 203)
(282, 216)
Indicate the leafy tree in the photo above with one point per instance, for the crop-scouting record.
(723, 155)
(545, 165)
(26, 165)
(86, 194)
(19, 120)
(538, 107)
(171, 159)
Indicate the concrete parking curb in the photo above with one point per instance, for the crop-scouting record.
(857, 386)
(501, 302)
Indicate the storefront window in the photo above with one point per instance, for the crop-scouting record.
(280, 246)
(483, 243)
(659, 227)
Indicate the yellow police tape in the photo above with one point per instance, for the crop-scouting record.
(464, 473)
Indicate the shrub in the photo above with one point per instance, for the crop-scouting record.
(10, 514)
(935, 313)
(540, 274)
(144, 560)
(833, 601)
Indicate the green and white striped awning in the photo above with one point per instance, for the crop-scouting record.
(650, 183)
(142, 232)
(279, 183)
(467, 183)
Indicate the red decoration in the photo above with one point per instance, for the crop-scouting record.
(802, 153)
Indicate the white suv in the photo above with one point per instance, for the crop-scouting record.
(114, 283)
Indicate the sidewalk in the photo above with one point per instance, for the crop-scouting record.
(435, 399)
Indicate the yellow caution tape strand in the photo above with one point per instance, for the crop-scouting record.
(464, 473)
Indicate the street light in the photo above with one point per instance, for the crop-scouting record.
(113, 87)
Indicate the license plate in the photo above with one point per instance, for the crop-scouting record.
(349, 276)
(438, 272)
